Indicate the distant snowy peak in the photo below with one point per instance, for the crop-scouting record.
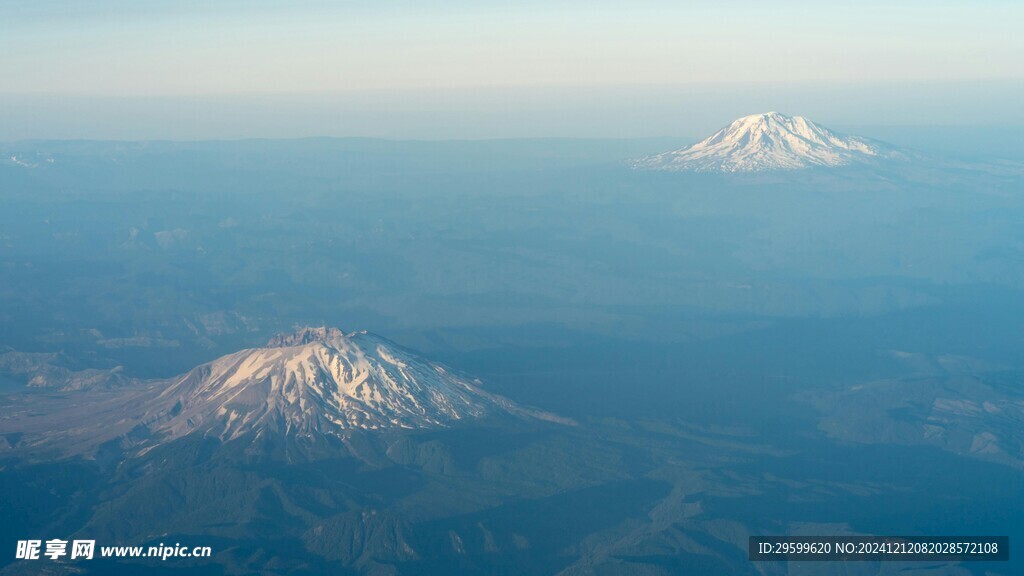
(320, 381)
(769, 141)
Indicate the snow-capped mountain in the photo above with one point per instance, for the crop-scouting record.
(314, 382)
(769, 141)
(320, 380)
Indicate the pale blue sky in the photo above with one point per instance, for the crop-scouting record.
(406, 63)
